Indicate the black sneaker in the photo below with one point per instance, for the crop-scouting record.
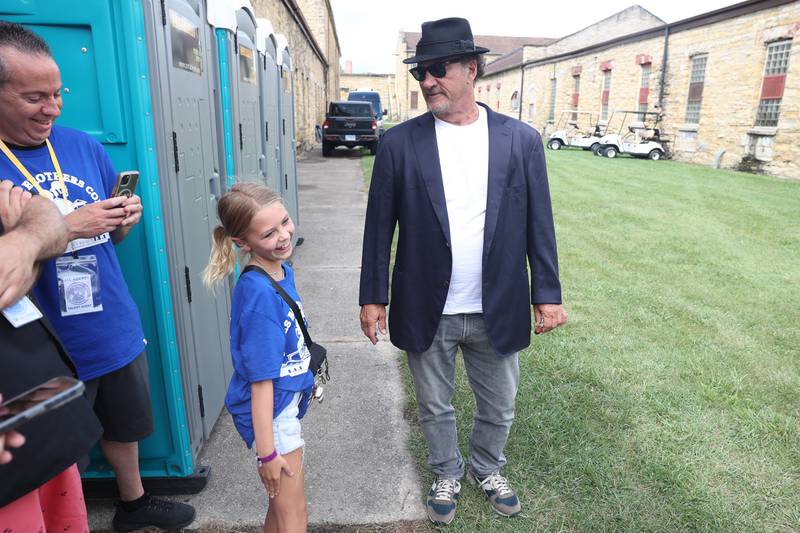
(154, 512)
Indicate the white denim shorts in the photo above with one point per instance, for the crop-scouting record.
(286, 427)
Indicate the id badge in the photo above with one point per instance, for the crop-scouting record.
(66, 207)
(78, 285)
(80, 244)
(21, 313)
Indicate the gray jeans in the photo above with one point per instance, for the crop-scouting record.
(494, 381)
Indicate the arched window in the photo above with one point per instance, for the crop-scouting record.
(515, 101)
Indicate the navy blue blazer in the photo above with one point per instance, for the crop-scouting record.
(407, 191)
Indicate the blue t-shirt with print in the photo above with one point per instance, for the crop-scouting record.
(102, 341)
(266, 344)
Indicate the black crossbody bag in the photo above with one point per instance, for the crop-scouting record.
(319, 355)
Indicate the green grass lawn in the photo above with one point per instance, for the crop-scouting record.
(671, 399)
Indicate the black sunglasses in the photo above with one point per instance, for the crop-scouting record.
(437, 70)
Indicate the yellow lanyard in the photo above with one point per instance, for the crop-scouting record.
(24, 171)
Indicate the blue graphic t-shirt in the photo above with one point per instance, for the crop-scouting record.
(102, 341)
(266, 343)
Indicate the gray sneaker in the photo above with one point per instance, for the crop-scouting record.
(500, 495)
(442, 501)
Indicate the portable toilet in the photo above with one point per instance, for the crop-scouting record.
(235, 27)
(288, 138)
(136, 76)
(270, 113)
(221, 16)
(181, 56)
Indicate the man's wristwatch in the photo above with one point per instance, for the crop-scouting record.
(267, 458)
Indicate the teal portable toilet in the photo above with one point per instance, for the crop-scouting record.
(139, 76)
(235, 28)
(270, 113)
(288, 137)
(181, 55)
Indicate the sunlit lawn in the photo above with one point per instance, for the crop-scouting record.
(671, 400)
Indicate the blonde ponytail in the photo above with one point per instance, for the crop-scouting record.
(221, 260)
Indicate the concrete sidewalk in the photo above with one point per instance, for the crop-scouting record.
(358, 468)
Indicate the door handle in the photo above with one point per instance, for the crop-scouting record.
(213, 184)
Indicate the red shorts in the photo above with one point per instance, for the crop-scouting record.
(55, 506)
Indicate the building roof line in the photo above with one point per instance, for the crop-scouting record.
(743, 8)
(297, 15)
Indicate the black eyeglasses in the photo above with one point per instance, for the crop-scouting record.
(437, 70)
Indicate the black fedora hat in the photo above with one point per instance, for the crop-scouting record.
(442, 38)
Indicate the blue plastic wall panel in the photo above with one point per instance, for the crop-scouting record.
(225, 103)
(100, 48)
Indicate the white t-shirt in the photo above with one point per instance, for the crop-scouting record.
(464, 159)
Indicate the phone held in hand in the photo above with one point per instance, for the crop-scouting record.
(126, 183)
(41, 399)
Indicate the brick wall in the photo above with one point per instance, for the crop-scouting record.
(315, 80)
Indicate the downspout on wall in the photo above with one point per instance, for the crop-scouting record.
(663, 69)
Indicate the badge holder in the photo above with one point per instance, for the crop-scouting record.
(24, 311)
(78, 285)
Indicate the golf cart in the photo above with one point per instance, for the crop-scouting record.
(635, 133)
(576, 128)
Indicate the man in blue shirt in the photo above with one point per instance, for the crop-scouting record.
(83, 292)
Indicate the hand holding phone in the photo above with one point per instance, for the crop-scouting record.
(126, 183)
(41, 399)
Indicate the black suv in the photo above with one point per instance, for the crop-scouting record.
(349, 124)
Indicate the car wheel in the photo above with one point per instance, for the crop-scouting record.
(554, 144)
(373, 148)
(327, 149)
(655, 155)
(594, 148)
(611, 152)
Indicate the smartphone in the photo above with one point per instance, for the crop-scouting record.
(49, 395)
(126, 183)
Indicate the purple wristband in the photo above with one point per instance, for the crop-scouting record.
(267, 458)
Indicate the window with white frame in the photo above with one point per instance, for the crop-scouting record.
(773, 82)
(697, 81)
(515, 101)
(606, 93)
(552, 115)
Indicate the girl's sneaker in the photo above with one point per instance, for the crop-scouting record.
(442, 500)
(500, 495)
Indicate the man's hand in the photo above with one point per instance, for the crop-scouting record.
(12, 200)
(133, 211)
(97, 218)
(373, 316)
(548, 317)
(12, 439)
(17, 272)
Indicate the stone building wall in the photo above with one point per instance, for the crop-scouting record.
(315, 78)
(383, 83)
(627, 21)
(736, 53)
(624, 89)
(735, 43)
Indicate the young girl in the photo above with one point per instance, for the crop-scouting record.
(271, 383)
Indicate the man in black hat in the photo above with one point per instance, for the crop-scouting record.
(468, 189)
